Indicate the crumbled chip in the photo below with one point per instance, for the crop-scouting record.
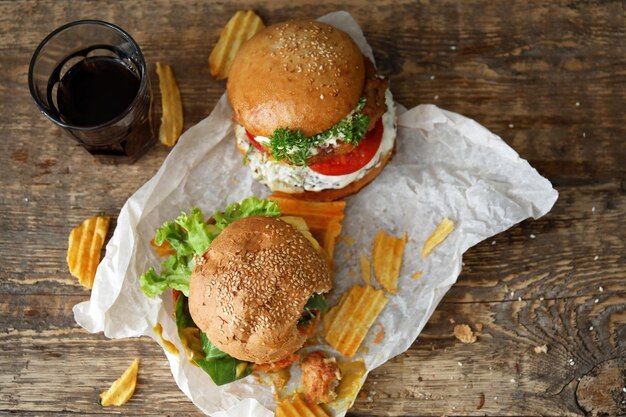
(541, 349)
(366, 269)
(479, 327)
(352, 378)
(439, 235)
(296, 407)
(172, 105)
(322, 218)
(380, 335)
(165, 249)
(123, 389)
(241, 27)
(85, 244)
(464, 333)
(280, 378)
(387, 259)
(417, 275)
(348, 322)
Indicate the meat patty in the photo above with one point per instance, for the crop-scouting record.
(320, 377)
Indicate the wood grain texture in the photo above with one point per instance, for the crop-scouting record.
(549, 77)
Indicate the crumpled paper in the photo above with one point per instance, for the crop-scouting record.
(446, 165)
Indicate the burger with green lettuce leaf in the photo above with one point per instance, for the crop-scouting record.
(248, 286)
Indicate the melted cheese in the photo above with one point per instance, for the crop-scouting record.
(280, 176)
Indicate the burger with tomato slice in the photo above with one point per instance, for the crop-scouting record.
(311, 115)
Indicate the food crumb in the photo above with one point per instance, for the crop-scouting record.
(519, 299)
(541, 349)
(578, 104)
(493, 242)
(511, 125)
(593, 209)
(481, 400)
(416, 275)
(380, 335)
(596, 301)
(451, 320)
(464, 333)
(460, 364)
(453, 47)
(571, 362)
(600, 289)
(436, 97)
(532, 236)
(432, 77)
(513, 381)
(595, 258)
(541, 298)
(590, 328)
(479, 327)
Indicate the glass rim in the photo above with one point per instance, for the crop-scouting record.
(42, 106)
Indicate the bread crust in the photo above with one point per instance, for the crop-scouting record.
(300, 75)
(248, 290)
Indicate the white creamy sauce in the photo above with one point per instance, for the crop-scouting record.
(280, 176)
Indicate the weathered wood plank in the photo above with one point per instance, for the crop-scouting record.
(549, 77)
(446, 376)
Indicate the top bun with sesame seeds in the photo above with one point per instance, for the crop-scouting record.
(300, 75)
(249, 289)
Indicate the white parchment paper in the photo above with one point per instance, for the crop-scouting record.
(445, 166)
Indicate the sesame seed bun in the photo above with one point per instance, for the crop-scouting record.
(300, 75)
(249, 289)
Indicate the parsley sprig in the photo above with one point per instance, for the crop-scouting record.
(296, 148)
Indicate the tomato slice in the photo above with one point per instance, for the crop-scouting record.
(255, 143)
(348, 163)
(355, 160)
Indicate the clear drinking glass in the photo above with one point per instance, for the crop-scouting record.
(90, 78)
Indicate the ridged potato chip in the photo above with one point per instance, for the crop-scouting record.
(172, 117)
(296, 407)
(439, 235)
(322, 218)
(387, 259)
(366, 269)
(347, 323)
(241, 27)
(123, 388)
(85, 244)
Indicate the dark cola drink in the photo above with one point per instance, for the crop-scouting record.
(96, 90)
(99, 93)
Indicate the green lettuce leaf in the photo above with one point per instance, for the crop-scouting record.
(190, 236)
(225, 370)
(221, 367)
(209, 348)
(251, 206)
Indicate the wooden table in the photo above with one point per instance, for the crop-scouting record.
(550, 78)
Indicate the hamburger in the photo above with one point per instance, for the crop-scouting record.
(247, 284)
(249, 289)
(312, 116)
